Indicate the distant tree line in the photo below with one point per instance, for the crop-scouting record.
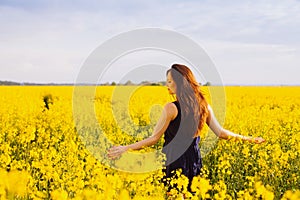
(27, 83)
(128, 83)
(9, 83)
(147, 83)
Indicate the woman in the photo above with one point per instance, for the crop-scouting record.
(181, 122)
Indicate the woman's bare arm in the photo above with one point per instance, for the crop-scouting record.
(214, 125)
(168, 114)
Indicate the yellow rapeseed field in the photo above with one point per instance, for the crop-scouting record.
(53, 146)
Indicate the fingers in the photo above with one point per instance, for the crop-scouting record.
(259, 140)
(112, 152)
(115, 152)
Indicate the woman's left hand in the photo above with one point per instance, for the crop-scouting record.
(116, 151)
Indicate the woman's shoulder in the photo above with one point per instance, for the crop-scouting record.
(171, 105)
(171, 110)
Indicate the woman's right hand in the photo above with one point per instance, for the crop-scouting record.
(116, 151)
(258, 140)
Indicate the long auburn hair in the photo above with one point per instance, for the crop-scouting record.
(189, 96)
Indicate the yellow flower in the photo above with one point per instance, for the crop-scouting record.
(16, 182)
(291, 195)
(201, 186)
(59, 195)
(124, 194)
(46, 145)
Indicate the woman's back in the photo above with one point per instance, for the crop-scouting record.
(181, 148)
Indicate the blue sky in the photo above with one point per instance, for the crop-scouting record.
(250, 42)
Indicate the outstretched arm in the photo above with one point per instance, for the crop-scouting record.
(214, 125)
(168, 114)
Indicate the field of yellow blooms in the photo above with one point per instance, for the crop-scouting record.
(53, 146)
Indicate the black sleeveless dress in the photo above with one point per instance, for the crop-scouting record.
(181, 149)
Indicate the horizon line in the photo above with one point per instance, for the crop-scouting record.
(14, 83)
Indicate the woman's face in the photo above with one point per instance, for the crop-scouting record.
(171, 84)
